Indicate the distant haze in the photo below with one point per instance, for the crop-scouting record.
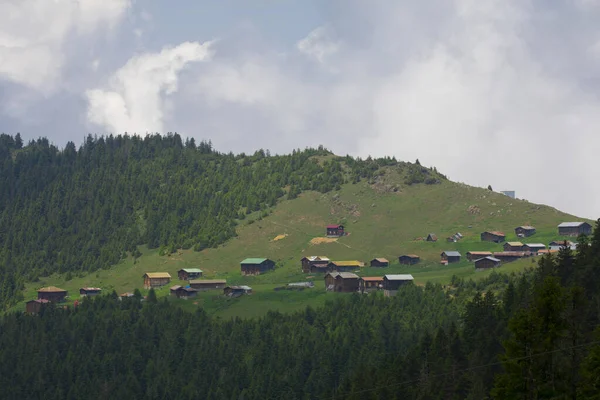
(498, 92)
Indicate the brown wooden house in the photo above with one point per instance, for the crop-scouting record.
(391, 283)
(89, 291)
(186, 274)
(236, 291)
(493, 236)
(341, 282)
(409, 259)
(509, 256)
(256, 266)
(35, 306)
(524, 231)
(476, 255)
(370, 283)
(431, 237)
(486, 263)
(208, 284)
(335, 230)
(52, 294)
(344, 266)
(574, 229)
(450, 257)
(315, 264)
(380, 262)
(156, 279)
(183, 292)
(514, 246)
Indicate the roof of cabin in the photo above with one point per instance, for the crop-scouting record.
(253, 261)
(51, 289)
(191, 270)
(208, 281)
(157, 275)
(343, 275)
(399, 277)
(571, 224)
(451, 253)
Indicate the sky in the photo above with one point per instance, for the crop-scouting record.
(490, 92)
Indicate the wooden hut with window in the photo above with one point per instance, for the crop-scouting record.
(370, 283)
(409, 259)
(341, 282)
(52, 294)
(256, 266)
(156, 279)
(186, 274)
(391, 283)
(380, 262)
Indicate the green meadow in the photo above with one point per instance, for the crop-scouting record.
(380, 223)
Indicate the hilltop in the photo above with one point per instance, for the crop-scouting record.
(385, 216)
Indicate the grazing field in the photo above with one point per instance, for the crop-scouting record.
(379, 223)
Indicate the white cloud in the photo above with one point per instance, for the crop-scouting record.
(318, 45)
(463, 89)
(33, 34)
(134, 99)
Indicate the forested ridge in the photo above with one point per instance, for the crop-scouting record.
(529, 336)
(76, 210)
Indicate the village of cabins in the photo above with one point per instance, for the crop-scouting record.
(339, 276)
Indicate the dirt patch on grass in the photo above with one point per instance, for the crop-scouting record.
(319, 240)
(279, 237)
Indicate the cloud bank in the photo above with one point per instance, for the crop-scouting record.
(500, 92)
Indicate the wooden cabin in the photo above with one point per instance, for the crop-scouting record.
(208, 284)
(513, 246)
(493, 236)
(574, 229)
(509, 256)
(314, 264)
(409, 259)
(89, 291)
(524, 231)
(156, 279)
(548, 251)
(391, 283)
(35, 306)
(450, 257)
(256, 266)
(341, 282)
(534, 247)
(183, 292)
(236, 291)
(186, 274)
(380, 262)
(486, 263)
(52, 294)
(344, 266)
(370, 283)
(475, 255)
(431, 237)
(335, 230)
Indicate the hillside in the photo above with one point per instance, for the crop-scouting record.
(384, 217)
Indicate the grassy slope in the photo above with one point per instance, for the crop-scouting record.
(380, 224)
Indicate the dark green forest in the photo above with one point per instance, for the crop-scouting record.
(527, 336)
(76, 210)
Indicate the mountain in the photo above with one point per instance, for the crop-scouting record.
(117, 207)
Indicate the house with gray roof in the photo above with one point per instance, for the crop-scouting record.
(574, 228)
(449, 257)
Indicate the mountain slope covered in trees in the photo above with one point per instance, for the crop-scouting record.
(82, 209)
